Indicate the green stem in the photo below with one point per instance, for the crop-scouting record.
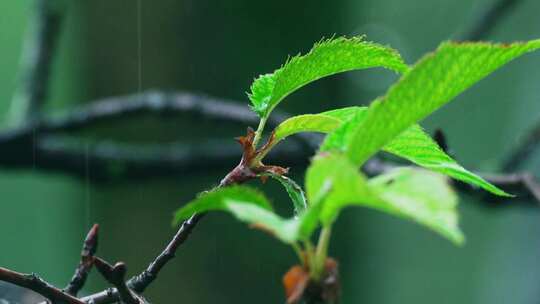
(298, 251)
(310, 253)
(321, 253)
(259, 131)
(263, 153)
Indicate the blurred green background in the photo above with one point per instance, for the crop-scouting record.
(217, 48)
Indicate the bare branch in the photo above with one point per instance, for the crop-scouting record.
(116, 276)
(85, 265)
(38, 285)
(141, 281)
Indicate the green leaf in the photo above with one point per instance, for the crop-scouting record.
(326, 58)
(216, 200)
(418, 147)
(422, 196)
(416, 194)
(261, 92)
(325, 122)
(295, 192)
(348, 185)
(250, 206)
(285, 230)
(306, 123)
(433, 81)
(413, 144)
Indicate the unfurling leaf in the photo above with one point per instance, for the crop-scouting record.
(296, 193)
(326, 58)
(217, 200)
(250, 206)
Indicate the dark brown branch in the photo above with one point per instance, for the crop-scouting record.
(37, 58)
(85, 265)
(141, 281)
(116, 276)
(488, 19)
(38, 285)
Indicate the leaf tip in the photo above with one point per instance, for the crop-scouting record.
(458, 239)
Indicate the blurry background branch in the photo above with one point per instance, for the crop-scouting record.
(38, 144)
(36, 62)
(488, 18)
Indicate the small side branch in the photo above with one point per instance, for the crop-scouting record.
(141, 281)
(85, 265)
(116, 276)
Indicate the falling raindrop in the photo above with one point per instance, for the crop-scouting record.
(34, 148)
(87, 185)
(139, 47)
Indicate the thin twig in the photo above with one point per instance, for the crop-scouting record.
(38, 285)
(85, 265)
(141, 281)
(36, 62)
(116, 276)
